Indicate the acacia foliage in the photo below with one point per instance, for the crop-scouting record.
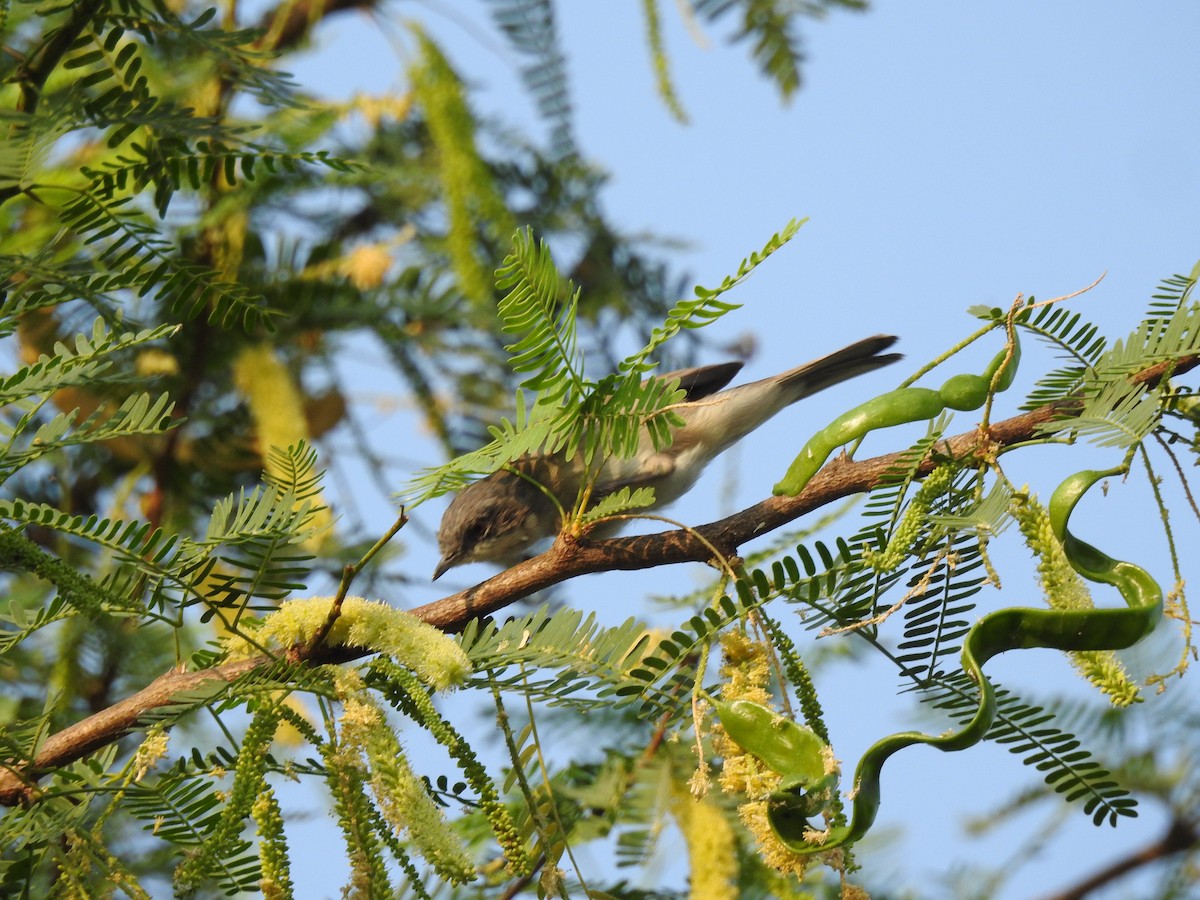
(180, 280)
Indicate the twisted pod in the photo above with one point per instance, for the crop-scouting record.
(806, 784)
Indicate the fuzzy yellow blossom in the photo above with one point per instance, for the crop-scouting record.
(375, 109)
(435, 658)
(278, 411)
(471, 198)
(775, 853)
(153, 362)
(365, 266)
(399, 793)
(711, 848)
(747, 668)
(150, 751)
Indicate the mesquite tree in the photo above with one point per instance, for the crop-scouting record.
(191, 245)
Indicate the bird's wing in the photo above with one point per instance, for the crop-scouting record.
(703, 381)
(641, 471)
(651, 470)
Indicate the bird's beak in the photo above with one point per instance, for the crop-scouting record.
(445, 563)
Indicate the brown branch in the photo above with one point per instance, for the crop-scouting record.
(1180, 836)
(17, 784)
(567, 559)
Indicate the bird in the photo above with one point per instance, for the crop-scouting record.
(498, 518)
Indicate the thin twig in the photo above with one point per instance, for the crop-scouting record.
(349, 573)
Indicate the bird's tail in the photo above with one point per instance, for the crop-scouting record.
(861, 356)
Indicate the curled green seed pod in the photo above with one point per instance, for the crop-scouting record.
(898, 407)
(997, 632)
(893, 408)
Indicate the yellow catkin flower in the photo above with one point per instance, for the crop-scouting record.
(712, 856)
(152, 362)
(1065, 589)
(471, 196)
(150, 751)
(278, 412)
(399, 793)
(432, 656)
(773, 852)
(228, 239)
(747, 668)
(366, 265)
(375, 109)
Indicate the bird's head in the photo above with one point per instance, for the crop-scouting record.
(493, 520)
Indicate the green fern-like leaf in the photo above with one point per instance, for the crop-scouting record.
(937, 617)
(129, 243)
(170, 165)
(658, 56)
(252, 535)
(769, 25)
(534, 427)
(20, 622)
(1077, 340)
(1028, 731)
(706, 307)
(87, 363)
(592, 664)
(541, 312)
(1117, 414)
(989, 517)
(1172, 294)
(530, 28)
(619, 502)
(138, 415)
(1156, 339)
(183, 810)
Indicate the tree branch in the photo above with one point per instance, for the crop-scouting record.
(1180, 836)
(570, 557)
(567, 559)
(33, 73)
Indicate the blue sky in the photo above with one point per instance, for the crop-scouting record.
(948, 154)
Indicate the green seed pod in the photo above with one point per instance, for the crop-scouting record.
(784, 746)
(893, 408)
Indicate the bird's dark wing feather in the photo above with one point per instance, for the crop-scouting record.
(703, 381)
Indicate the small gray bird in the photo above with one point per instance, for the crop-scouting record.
(501, 516)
